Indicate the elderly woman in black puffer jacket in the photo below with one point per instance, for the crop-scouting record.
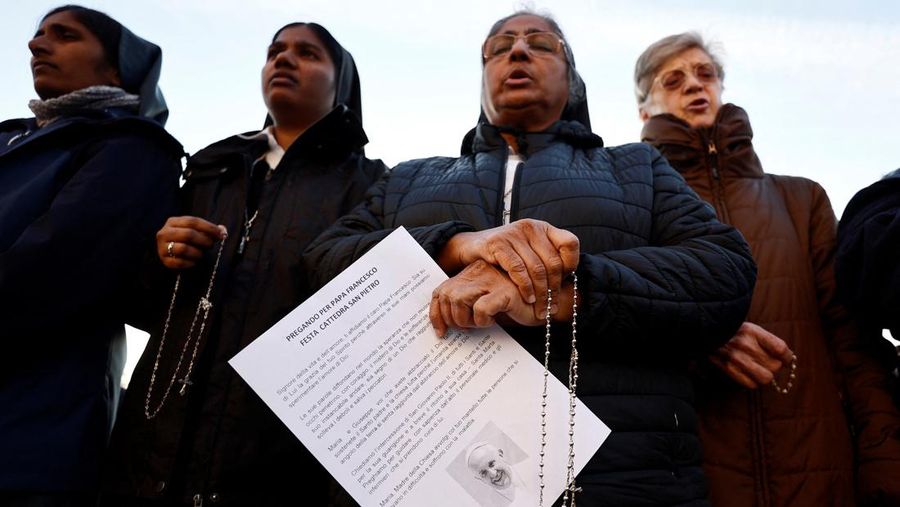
(535, 196)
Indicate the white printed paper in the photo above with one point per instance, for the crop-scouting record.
(401, 417)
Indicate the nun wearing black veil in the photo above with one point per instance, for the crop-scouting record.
(84, 185)
(191, 432)
(535, 196)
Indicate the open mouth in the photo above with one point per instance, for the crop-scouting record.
(518, 77)
(500, 479)
(698, 104)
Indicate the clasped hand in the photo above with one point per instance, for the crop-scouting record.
(507, 271)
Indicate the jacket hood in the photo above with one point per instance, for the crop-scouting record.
(140, 62)
(687, 148)
(347, 93)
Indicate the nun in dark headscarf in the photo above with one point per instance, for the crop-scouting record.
(535, 197)
(190, 429)
(84, 185)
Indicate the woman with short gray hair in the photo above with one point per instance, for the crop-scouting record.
(772, 425)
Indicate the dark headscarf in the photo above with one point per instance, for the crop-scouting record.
(137, 60)
(140, 62)
(347, 89)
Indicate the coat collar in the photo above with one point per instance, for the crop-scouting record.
(23, 133)
(337, 134)
(486, 137)
(689, 149)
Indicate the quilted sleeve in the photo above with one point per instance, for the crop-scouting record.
(360, 230)
(687, 292)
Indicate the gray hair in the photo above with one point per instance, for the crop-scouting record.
(655, 56)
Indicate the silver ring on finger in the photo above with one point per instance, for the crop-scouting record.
(170, 249)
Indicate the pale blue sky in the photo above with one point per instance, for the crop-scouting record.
(820, 80)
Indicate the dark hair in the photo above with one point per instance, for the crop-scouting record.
(331, 45)
(107, 30)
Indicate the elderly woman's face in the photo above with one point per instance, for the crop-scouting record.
(525, 87)
(66, 56)
(298, 77)
(688, 87)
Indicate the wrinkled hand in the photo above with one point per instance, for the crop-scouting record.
(535, 255)
(475, 298)
(191, 236)
(752, 356)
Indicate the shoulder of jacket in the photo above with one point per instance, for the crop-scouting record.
(632, 151)
(416, 167)
(794, 184)
(132, 134)
(631, 155)
(140, 130)
(219, 158)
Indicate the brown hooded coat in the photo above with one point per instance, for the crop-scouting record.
(763, 448)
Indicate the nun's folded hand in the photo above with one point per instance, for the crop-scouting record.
(476, 297)
(535, 255)
(181, 242)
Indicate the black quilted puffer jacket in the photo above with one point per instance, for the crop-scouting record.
(662, 282)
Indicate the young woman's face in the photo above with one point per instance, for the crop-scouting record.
(66, 56)
(298, 77)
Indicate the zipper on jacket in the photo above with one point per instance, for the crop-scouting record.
(501, 188)
(712, 158)
(16, 137)
(514, 195)
(758, 450)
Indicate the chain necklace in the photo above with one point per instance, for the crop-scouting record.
(573, 384)
(201, 314)
(790, 383)
(248, 223)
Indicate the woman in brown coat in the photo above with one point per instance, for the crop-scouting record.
(773, 428)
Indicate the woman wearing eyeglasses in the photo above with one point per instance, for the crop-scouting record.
(535, 196)
(771, 415)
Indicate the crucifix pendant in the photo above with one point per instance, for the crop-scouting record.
(185, 382)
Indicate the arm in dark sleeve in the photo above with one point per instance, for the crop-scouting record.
(862, 358)
(688, 292)
(83, 253)
(868, 257)
(357, 232)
